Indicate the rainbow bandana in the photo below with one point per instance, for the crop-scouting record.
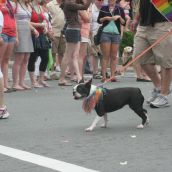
(164, 7)
(93, 99)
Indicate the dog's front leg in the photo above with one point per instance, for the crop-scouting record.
(104, 125)
(93, 125)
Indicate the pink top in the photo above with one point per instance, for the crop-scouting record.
(85, 28)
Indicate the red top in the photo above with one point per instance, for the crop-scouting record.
(9, 27)
(37, 18)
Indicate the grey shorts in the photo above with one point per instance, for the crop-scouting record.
(161, 54)
(73, 35)
(110, 37)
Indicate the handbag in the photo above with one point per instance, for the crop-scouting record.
(98, 36)
(41, 42)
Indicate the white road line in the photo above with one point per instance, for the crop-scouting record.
(42, 161)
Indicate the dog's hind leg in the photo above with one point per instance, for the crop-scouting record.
(93, 125)
(142, 113)
(104, 125)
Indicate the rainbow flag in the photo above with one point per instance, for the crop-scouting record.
(164, 7)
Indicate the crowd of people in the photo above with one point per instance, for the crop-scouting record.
(60, 33)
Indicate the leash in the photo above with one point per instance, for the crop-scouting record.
(164, 36)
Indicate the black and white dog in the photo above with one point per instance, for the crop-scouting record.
(113, 99)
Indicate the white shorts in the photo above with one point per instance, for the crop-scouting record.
(83, 39)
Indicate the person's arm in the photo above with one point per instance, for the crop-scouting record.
(121, 17)
(33, 30)
(1, 40)
(84, 16)
(135, 22)
(74, 6)
(102, 16)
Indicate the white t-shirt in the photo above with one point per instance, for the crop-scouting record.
(1, 19)
(94, 24)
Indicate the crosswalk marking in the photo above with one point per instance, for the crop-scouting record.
(42, 161)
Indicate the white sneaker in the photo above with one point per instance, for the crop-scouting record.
(4, 113)
(154, 95)
(160, 101)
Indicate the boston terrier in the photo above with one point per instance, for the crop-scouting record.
(111, 100)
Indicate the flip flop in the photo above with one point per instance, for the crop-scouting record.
(64, 84)
(18, 88)
(44, 84)
(10, 90)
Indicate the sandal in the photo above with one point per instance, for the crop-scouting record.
(26, 87)
(44, 84)
(9, 90)
(36, 85)
(107, 75)
(64, 84)
(103, 80)
(81, 81)
(97, 76)
(18, 88)
(113, 79)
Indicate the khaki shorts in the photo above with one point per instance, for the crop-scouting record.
(161, 54)
(59, 45)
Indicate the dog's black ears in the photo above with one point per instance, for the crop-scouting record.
(88, 83)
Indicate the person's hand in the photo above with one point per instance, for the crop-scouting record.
(1, 41)
(134, 25)
(43, 25)
(17, 41)
(36, 33)
(50, 35)
(45, 30)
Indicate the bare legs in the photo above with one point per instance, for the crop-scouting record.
(19, 70)
(82, 57)
(109, 52)
(163, 82)
(6, 53)
(70, 56)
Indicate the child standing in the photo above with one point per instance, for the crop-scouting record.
(125, 4)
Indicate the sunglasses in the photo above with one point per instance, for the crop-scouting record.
(100, 0)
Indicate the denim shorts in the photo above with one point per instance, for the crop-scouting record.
(8, 39)
(73, 35)
(110, 37)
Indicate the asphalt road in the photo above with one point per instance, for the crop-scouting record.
(48, 122)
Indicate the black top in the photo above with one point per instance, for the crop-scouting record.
(104, 11)
(149, 15)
